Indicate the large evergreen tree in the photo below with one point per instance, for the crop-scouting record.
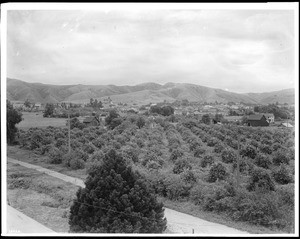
(116, 200)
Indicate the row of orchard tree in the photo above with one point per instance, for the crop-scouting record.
(188, 161)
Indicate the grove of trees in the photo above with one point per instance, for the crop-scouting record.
(189, 161)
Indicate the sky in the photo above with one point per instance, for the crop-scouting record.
(236, 50)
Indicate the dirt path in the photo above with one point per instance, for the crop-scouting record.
(52, 173)
(18, 222)
(178, 222)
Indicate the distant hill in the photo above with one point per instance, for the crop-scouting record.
(18, 90)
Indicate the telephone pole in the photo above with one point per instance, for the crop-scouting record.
(238, 164)
(69, 128)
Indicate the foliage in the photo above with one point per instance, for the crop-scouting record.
(256, 208)
(217, 172)
(116, 200)
(49, 110)
(111, 116)
(55, 155)
(140, 122)
(164, 110)
(207, 160)
(248, 151)
(260, 181)
(188, 176)
(281, 175)
(181, 165)
(206, 119)
(280, 157)
(228, 155)
(13, 117)
(75, 123)
(175, 154)
(263, 161)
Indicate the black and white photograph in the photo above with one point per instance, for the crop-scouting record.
(150, 119)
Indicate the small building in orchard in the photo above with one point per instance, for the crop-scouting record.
(257, 120)
(270, 118)
(91, 121)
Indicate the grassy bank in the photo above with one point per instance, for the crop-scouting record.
(39, 196)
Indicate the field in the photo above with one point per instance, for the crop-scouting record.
(36, 119)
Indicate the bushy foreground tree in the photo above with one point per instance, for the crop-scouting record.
(13, 117)
(116, 200)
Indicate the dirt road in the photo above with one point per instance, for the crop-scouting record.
(178, 222)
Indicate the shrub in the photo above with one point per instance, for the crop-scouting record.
(194, 145)
(55, 156)
(248, 151)
(175, 154)
(198, 192)
(266, 149)
(211, 196)
(228, 156)
(89, 148)
(254, 143)
(282, 176)
(36, 140)
(59, 142)
(198, 152)
(207, 160)
(46, 148)
(66, 159)
(243, 164)
(212, 142)
(276, 146)
(217, 172)
(256, 208)
(81, 154)
(280, 157)
(181, 165)
(153, 165)
(188, 176)
(176, 189)
(260, 180)
(286, 194)
(150, 156)
(131, 153)
(98, 142)
(116, 200)
(77, 163)
(218, 148)
(94, 160)
(263, 161)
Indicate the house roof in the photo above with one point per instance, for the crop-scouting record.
(269, 115)
(288, 125)
(89, 119)
(255, 117)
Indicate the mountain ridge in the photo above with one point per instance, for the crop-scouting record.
(18, 90)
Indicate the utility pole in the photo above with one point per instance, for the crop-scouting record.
(238, 164)
(69, 131)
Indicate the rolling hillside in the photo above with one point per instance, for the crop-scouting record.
(18, 90)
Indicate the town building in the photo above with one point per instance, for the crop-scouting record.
(257, 120)
(270, 118)
(91, 121)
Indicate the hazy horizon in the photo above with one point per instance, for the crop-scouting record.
(240, 51)
(149, 82)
